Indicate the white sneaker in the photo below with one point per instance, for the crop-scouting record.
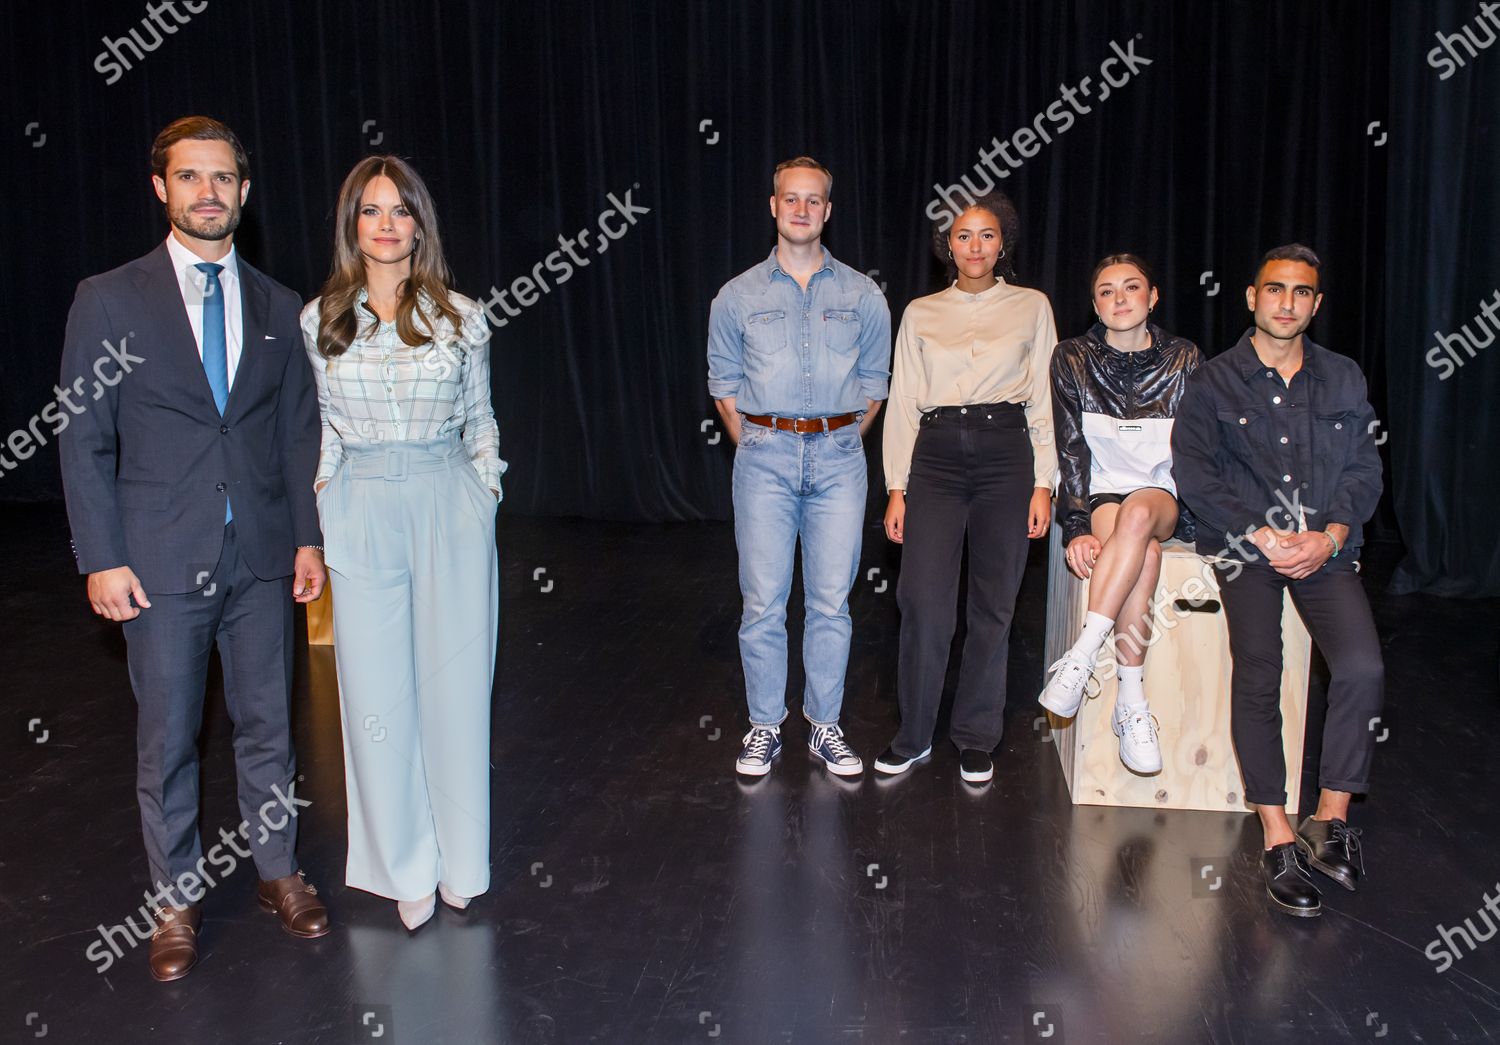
(1139, 749)
(1065, 689)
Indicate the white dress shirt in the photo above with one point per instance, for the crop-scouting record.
(191, 282)
(958, 349)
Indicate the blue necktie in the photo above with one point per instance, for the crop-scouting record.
(215, 343)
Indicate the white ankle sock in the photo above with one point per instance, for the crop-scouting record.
(1131, 693)
(1095, 627)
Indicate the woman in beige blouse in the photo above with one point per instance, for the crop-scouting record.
(968, 450)
(408, 483)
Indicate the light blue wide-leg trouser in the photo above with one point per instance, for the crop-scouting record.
(409, 535)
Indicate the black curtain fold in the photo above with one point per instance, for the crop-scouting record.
(1442, 267)
(1247, 129)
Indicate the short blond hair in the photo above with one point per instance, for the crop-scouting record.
(800, 161)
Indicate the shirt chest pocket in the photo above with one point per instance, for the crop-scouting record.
(841, 330)
(765, 333)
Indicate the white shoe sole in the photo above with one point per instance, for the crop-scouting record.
(897, 768)
(838, 770)
(744, 769)
(977, 778)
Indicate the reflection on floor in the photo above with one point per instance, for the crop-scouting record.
(643, 894)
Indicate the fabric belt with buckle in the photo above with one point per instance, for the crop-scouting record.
(803, 424)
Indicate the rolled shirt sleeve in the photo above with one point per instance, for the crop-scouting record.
(874, 343)
(726, 346)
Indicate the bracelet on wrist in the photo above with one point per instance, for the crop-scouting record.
(1336, 546)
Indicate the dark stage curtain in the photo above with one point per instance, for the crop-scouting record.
(1247, 128)
(1443, 309)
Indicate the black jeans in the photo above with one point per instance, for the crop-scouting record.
(970, 472)
(1333, 605)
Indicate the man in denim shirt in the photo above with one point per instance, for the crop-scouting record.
(799, 353)
(1272, 451)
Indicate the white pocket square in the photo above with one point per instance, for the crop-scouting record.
(270, 337)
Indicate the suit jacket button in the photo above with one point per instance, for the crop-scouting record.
(223, 429)
(219, 487)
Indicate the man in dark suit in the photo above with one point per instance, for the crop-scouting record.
(189, 490)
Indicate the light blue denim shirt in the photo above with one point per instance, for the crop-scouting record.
(786, 352)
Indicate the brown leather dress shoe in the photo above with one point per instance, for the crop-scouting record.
(174, 944)
(296, 903)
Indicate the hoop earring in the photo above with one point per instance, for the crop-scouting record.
(1001, 255)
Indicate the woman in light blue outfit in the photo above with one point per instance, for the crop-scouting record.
(407, 487)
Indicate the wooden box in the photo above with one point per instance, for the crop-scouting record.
(1187, 684)
(320, 617)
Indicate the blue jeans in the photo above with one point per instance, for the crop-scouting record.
(788, 486)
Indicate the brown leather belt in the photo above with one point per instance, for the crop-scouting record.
(802, 424)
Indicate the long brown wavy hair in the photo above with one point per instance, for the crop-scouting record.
(430, 278)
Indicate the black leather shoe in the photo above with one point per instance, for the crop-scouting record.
(1289, 884)
(975, 766)
(1332, 847)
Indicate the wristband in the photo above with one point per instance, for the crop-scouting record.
(1336, 547)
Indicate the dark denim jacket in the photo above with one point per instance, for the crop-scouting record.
(1250, 451)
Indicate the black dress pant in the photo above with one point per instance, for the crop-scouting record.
(1333, 605)
(971, 471)
(168, 648)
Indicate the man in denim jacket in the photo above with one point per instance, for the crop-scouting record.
(799, 352)
(1272, 451)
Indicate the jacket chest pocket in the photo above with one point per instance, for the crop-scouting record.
(841, 329)
(1243, 431)
(765, 333)
(1334, 435)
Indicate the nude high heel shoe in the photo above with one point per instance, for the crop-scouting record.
(453, 900)
(415, 913)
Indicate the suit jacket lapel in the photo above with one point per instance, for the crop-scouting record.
(255, 304)
(159, 284)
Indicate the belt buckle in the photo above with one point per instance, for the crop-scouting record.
(395, 465)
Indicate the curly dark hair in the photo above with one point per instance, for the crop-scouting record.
(998, 204)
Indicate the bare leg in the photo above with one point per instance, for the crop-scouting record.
(1145, 517)
(1277, 828)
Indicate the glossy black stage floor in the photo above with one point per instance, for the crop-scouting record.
(642, 894)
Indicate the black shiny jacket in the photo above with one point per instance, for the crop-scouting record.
(1088, 376)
